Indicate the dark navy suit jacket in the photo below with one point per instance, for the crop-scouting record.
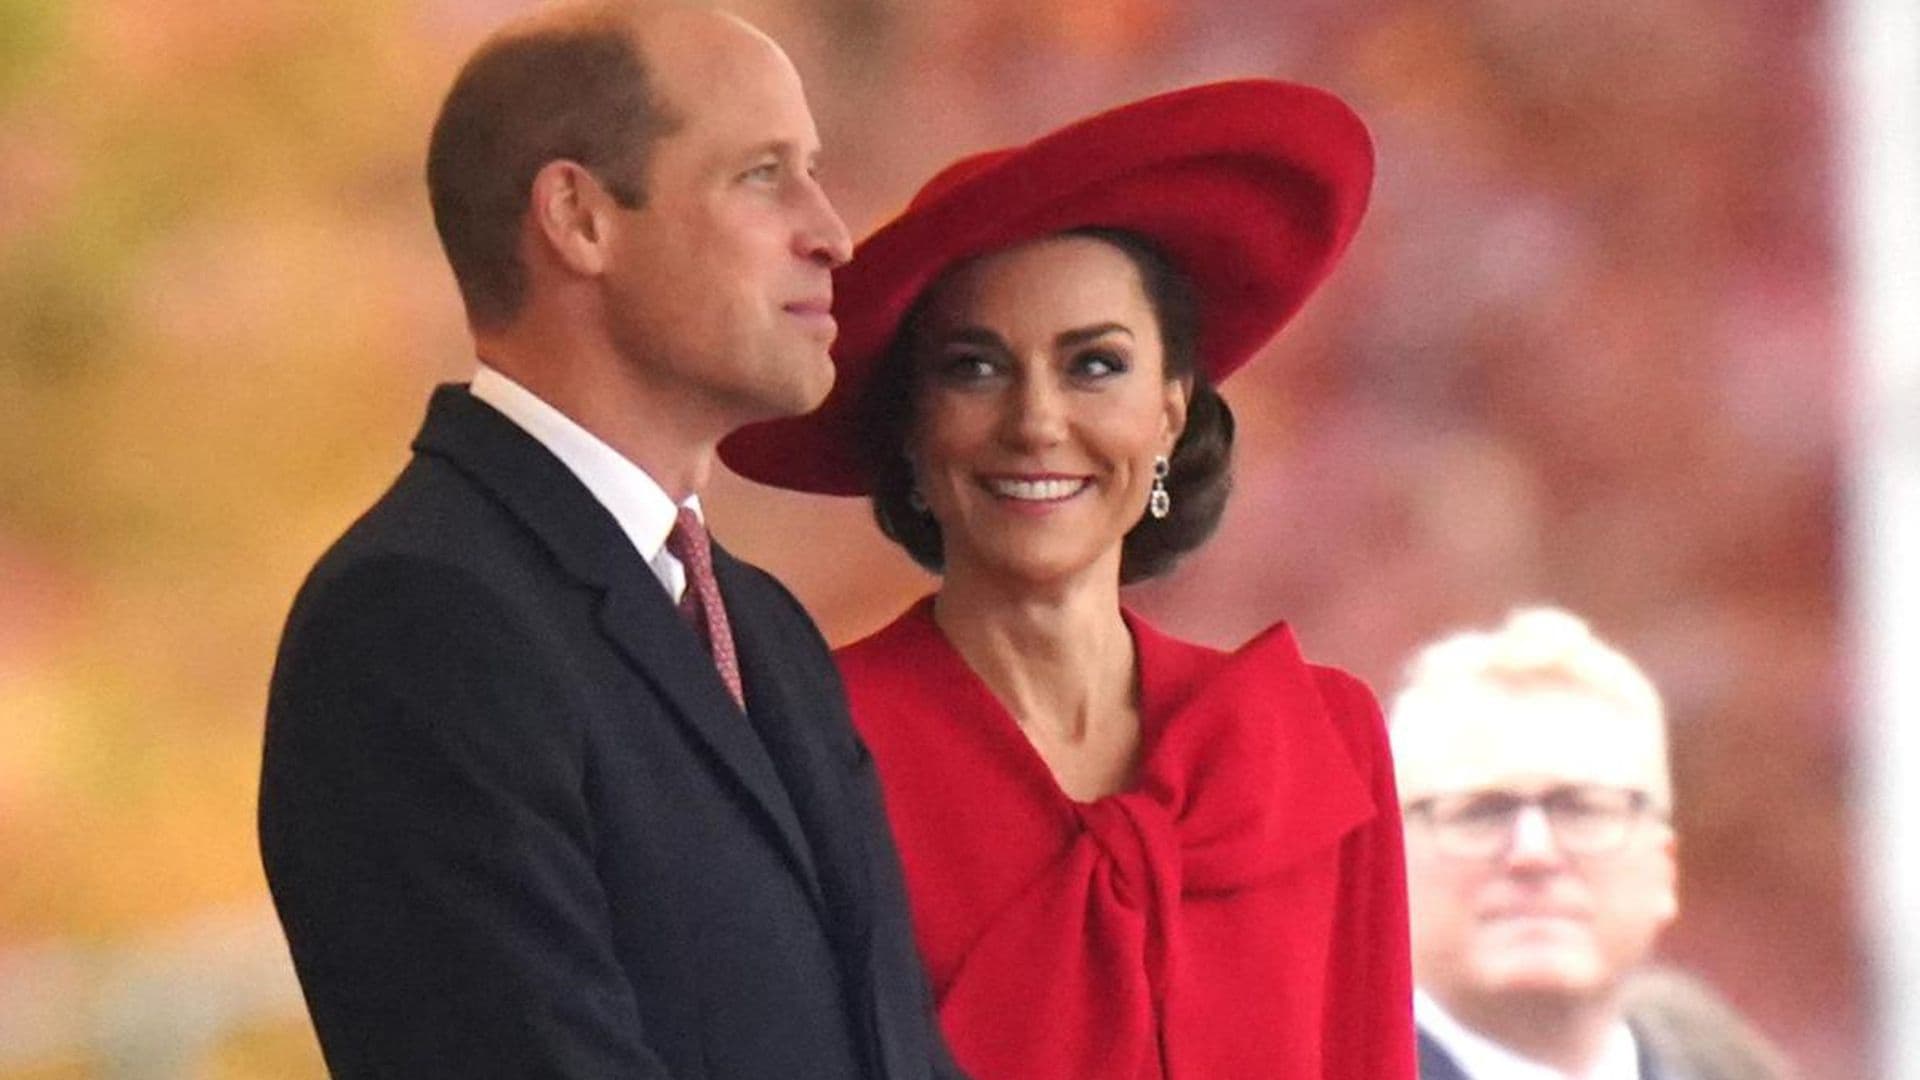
(515, 825)
(1436, 1064)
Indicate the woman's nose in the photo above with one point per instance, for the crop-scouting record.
(1036, 414)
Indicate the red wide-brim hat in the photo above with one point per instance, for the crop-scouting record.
(1252, 188)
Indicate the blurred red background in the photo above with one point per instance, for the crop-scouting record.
(1586, 350)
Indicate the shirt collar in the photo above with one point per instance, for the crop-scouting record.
(1483, 1059)
(637, 502)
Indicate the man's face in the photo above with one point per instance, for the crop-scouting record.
(1531, 919)
(721, 286)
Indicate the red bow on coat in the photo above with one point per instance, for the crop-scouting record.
(1088, 973)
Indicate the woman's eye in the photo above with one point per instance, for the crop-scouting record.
(968, 367)
(1099, 363)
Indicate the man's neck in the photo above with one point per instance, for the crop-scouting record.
(671, 441)
(1565, 1032)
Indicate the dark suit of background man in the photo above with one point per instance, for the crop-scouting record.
(515, 823)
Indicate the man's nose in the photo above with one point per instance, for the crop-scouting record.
(1532, 841)
(822, 236)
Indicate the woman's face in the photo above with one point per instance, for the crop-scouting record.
(1041, 402)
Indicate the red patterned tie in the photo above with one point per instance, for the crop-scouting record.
(700, 604)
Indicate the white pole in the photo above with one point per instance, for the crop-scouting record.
(1879, 42)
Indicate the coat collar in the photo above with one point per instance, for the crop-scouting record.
(634, 611)
(794, 719)
(1279, 779)
(1437, 1061)
(1256, 725)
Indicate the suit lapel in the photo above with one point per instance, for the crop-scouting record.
(664, 650)
(1435, 1063)
(791, 720)
(634, 612)
(1650, 1067)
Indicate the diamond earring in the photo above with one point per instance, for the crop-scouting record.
(1159, 503)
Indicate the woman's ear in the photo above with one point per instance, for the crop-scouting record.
(1179, 393)
(570, 213)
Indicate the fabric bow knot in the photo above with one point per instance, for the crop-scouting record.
(1238, 784)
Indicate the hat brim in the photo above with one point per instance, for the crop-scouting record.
(1251, 188)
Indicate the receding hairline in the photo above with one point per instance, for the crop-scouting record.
(648, 25)
(561, 19)
(572, 15)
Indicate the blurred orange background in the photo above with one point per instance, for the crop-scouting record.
(1587, 350)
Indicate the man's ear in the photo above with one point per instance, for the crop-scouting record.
(569, 214)
(1669, 901)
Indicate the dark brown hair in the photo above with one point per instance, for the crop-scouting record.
(577, 91)
(1201, 462)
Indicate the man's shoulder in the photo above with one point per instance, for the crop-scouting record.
(452, 499)
(429, 506)
(432, 534)
(1686, 1030)
(475, 483)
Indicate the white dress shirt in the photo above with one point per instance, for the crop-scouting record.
(1483, 1059)
(637, 502)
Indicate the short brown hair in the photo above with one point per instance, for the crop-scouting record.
(1202, 460)
(577, 91)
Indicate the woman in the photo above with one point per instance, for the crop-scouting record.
(1128, 856)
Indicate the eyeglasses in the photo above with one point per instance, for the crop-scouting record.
(1586, 819)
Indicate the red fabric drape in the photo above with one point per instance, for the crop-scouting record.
(1240, 912)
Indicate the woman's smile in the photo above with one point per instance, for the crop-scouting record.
(1043, 489)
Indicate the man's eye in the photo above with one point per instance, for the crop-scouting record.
(765, 171)
(1485, 810)
(1578, 805)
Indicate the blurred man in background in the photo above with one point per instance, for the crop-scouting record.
(1532, 763)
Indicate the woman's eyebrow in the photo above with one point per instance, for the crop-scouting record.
(984, 338)
(972, 335)
(1080, 336)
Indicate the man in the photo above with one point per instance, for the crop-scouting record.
(551, 787)
(1533, 770)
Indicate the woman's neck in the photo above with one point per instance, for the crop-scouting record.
(1060, 659)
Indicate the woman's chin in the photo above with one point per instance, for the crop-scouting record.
(1036, 567)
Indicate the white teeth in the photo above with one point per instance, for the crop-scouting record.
(1035, 490)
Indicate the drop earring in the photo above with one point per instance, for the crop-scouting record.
(1159, 503)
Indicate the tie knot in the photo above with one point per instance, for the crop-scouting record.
(688, 540)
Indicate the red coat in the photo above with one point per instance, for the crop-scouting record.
(1239, 913)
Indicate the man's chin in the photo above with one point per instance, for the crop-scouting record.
(1520, 935)
(1545, 974)
(781, 402)
(806, 393)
